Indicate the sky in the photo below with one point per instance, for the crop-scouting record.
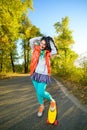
(47, 12)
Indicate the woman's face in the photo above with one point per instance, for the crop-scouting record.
(42, 44)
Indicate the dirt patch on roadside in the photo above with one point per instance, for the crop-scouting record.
(80, 91)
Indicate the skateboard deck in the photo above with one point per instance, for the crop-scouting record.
(52, 116)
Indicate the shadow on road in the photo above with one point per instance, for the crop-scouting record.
(18, 107)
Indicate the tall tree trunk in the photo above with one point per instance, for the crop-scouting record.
(27, 57)
(12, 63)
(1, 67)
(25, 61)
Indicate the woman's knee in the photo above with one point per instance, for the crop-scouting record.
(40, 92)
(41, 89)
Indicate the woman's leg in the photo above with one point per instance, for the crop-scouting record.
(42, 91)
(39, 97)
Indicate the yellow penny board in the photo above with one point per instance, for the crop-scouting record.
(52, 116)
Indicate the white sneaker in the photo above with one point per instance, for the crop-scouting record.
(40, 112)
(52, 105)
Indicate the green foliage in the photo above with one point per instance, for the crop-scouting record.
(27, 31)
(10, 16)
(84, 68)
(63, 65)
(11, 13)
(63, 41)
(19, 68)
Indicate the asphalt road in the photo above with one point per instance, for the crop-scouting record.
(18, 107)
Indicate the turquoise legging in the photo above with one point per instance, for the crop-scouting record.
(41, 92)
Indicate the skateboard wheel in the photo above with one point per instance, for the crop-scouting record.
(47, 121)
(56, 122)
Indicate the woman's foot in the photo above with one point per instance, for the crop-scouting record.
(40, 112)
(52, 105)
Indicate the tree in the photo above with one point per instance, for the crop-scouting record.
(27, 31)
(11, 13)
(64, 40)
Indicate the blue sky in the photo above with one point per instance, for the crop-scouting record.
(48, 12)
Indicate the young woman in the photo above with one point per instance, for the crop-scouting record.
(43, 48)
